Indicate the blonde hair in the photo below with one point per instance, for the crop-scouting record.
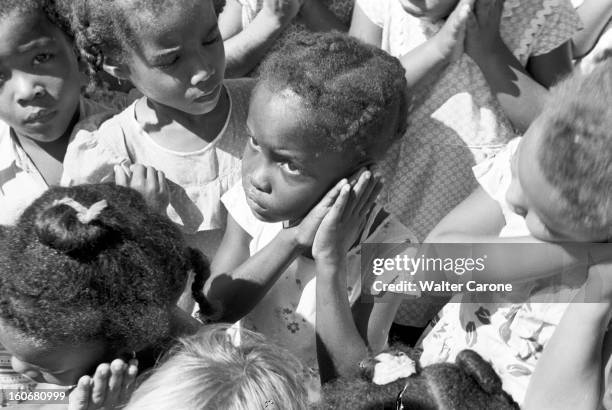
(207, 371)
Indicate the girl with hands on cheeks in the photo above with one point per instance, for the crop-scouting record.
(287, 229)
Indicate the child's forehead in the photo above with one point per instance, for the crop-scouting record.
(20, 31)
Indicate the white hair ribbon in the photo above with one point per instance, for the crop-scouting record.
(391, 367)
(84, 215)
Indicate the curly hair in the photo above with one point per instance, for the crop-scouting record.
(576, 151)
(356, 93)
(208, 371)
(115, 278)
(105, 28)
(50, 8)
(469, 383)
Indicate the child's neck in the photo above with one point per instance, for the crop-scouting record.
(48, 157)
(179, 131)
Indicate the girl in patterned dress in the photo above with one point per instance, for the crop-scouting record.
(325, 107)
(551, 186)
(472, 96)
(253, 28)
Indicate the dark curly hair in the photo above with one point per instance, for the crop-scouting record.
(576, 151)
(115, 278)
(50, 8)
(103, 28)
(469, 383)
(356, 93)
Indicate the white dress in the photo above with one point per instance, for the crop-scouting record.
(287, 313)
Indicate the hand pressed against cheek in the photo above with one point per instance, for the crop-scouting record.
(285, 170)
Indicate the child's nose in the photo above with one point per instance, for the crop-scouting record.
(26, 89)
(202, 74)
(259, 181)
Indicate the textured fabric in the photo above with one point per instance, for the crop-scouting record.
(508, 334)
(460, 122)
(286, 315)
(197, 180)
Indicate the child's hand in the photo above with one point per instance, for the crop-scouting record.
(283, 10)
(110, 387)
(483, 35)
(150, 182)
(344, 222)
(449, 40)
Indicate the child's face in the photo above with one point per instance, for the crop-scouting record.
(284, 171)
(56, 365)
(432, 10)
(180, 61)
(533, 197)
(39, 77)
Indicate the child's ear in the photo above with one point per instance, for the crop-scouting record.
(118, 70)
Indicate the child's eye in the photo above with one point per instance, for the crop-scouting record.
(42, 58)
(211, 40)
(291, 168)
(168, 63)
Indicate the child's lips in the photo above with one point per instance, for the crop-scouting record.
(40, 116)
(206, 95)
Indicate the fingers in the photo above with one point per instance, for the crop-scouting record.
(118, 370)
(337, 210)
(100, 385)
(128, 380)
(79, 397)
(361, 187)
(121, 176)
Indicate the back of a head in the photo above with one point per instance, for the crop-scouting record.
(92, 262)
(356, 93)
(576, 152)
(207, 371)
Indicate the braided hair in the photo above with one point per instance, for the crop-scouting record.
(356, 93)
(104, 28)
(113, 273)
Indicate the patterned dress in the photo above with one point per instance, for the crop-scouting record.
(509, 330)
(460, 122)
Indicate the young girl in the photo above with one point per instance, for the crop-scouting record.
(207, 371)
(552, 185)
(89, 274)
(189, 124)
(325, 106)
(469, 103)
(40, 102)
(251, 28)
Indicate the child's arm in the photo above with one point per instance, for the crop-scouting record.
(318, 17)
(340, 344)
(594, 14)
(245, 47)
(569, 375)
(479, 219)
(424, 63)
(238, 282)
(520, 91)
